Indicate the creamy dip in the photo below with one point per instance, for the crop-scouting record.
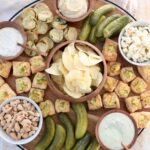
(114, 129)
(9, 37)
(73, 8)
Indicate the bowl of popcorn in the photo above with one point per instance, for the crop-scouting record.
(134, 43)
(76, 71)
(20, 120)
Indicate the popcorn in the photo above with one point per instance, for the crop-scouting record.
(135, 43)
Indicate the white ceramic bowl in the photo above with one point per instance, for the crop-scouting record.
(132, 24)
(7, 138)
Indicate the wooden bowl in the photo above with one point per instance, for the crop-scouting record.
(53, 86)
(73, 19)
(114, 111)
(20, 29)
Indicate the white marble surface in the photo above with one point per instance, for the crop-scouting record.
(10, 7)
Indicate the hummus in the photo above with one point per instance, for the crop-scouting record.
(73, 8)
(116, 128)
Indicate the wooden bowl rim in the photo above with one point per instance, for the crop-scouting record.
(21, 30)
(115, 111)
(73, 19)
(57, 92)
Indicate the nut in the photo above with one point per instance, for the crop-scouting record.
(20, 107)
(17, 127)
(19, 119)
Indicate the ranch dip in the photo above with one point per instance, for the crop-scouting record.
(114, 129)
(9, 37)
(73, 8)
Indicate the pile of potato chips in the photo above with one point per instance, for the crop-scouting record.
(76, 69)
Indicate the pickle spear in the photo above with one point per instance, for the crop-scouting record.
(85, 30)
(83, 143)
(59, 138)
(100, 28)
(92, 36)
(94, 145)
(99, 12)
(70, 137)
(115, 26)
(48, 134)
(82, 120)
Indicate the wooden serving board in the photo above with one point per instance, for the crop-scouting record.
(93, 115)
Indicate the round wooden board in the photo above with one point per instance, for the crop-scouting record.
(93, 115)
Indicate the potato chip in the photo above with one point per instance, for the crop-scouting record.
(97, 81)
(77, 63)
(84, 58)
(71, 49)
(54, 69)
(94, 70)
(72, 94)
(67, 60)
(62, 68)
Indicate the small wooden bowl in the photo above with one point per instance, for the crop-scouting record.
(20, 29)
(114, 111)
(73, 19)
(53, 86)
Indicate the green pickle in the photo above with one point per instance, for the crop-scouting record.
(82, 120)
(83, 143)
(115, 26)
(100, 12)
(94, 145)
(92, 36)
(48, 134)
(70, 137)
(101, 27)
(59, 138)
(85, 30)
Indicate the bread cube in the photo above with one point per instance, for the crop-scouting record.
(36, 94)
(110, 84)
(62, 105)
(114, 68)
(47, 108)
(111, 100)
(23, 85)
(5, 68)
(95, 103)
(110, 50)
(37, 64)
(141, 118)
(145, 98)
(6, 92)
(138, 85)
(133, 103)
(40, 81)
(122, 89)
(1, 81)
(21, 68)
(127, 74)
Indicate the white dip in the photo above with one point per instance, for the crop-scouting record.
(73, 8)
(116, 128)
(9, 37)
